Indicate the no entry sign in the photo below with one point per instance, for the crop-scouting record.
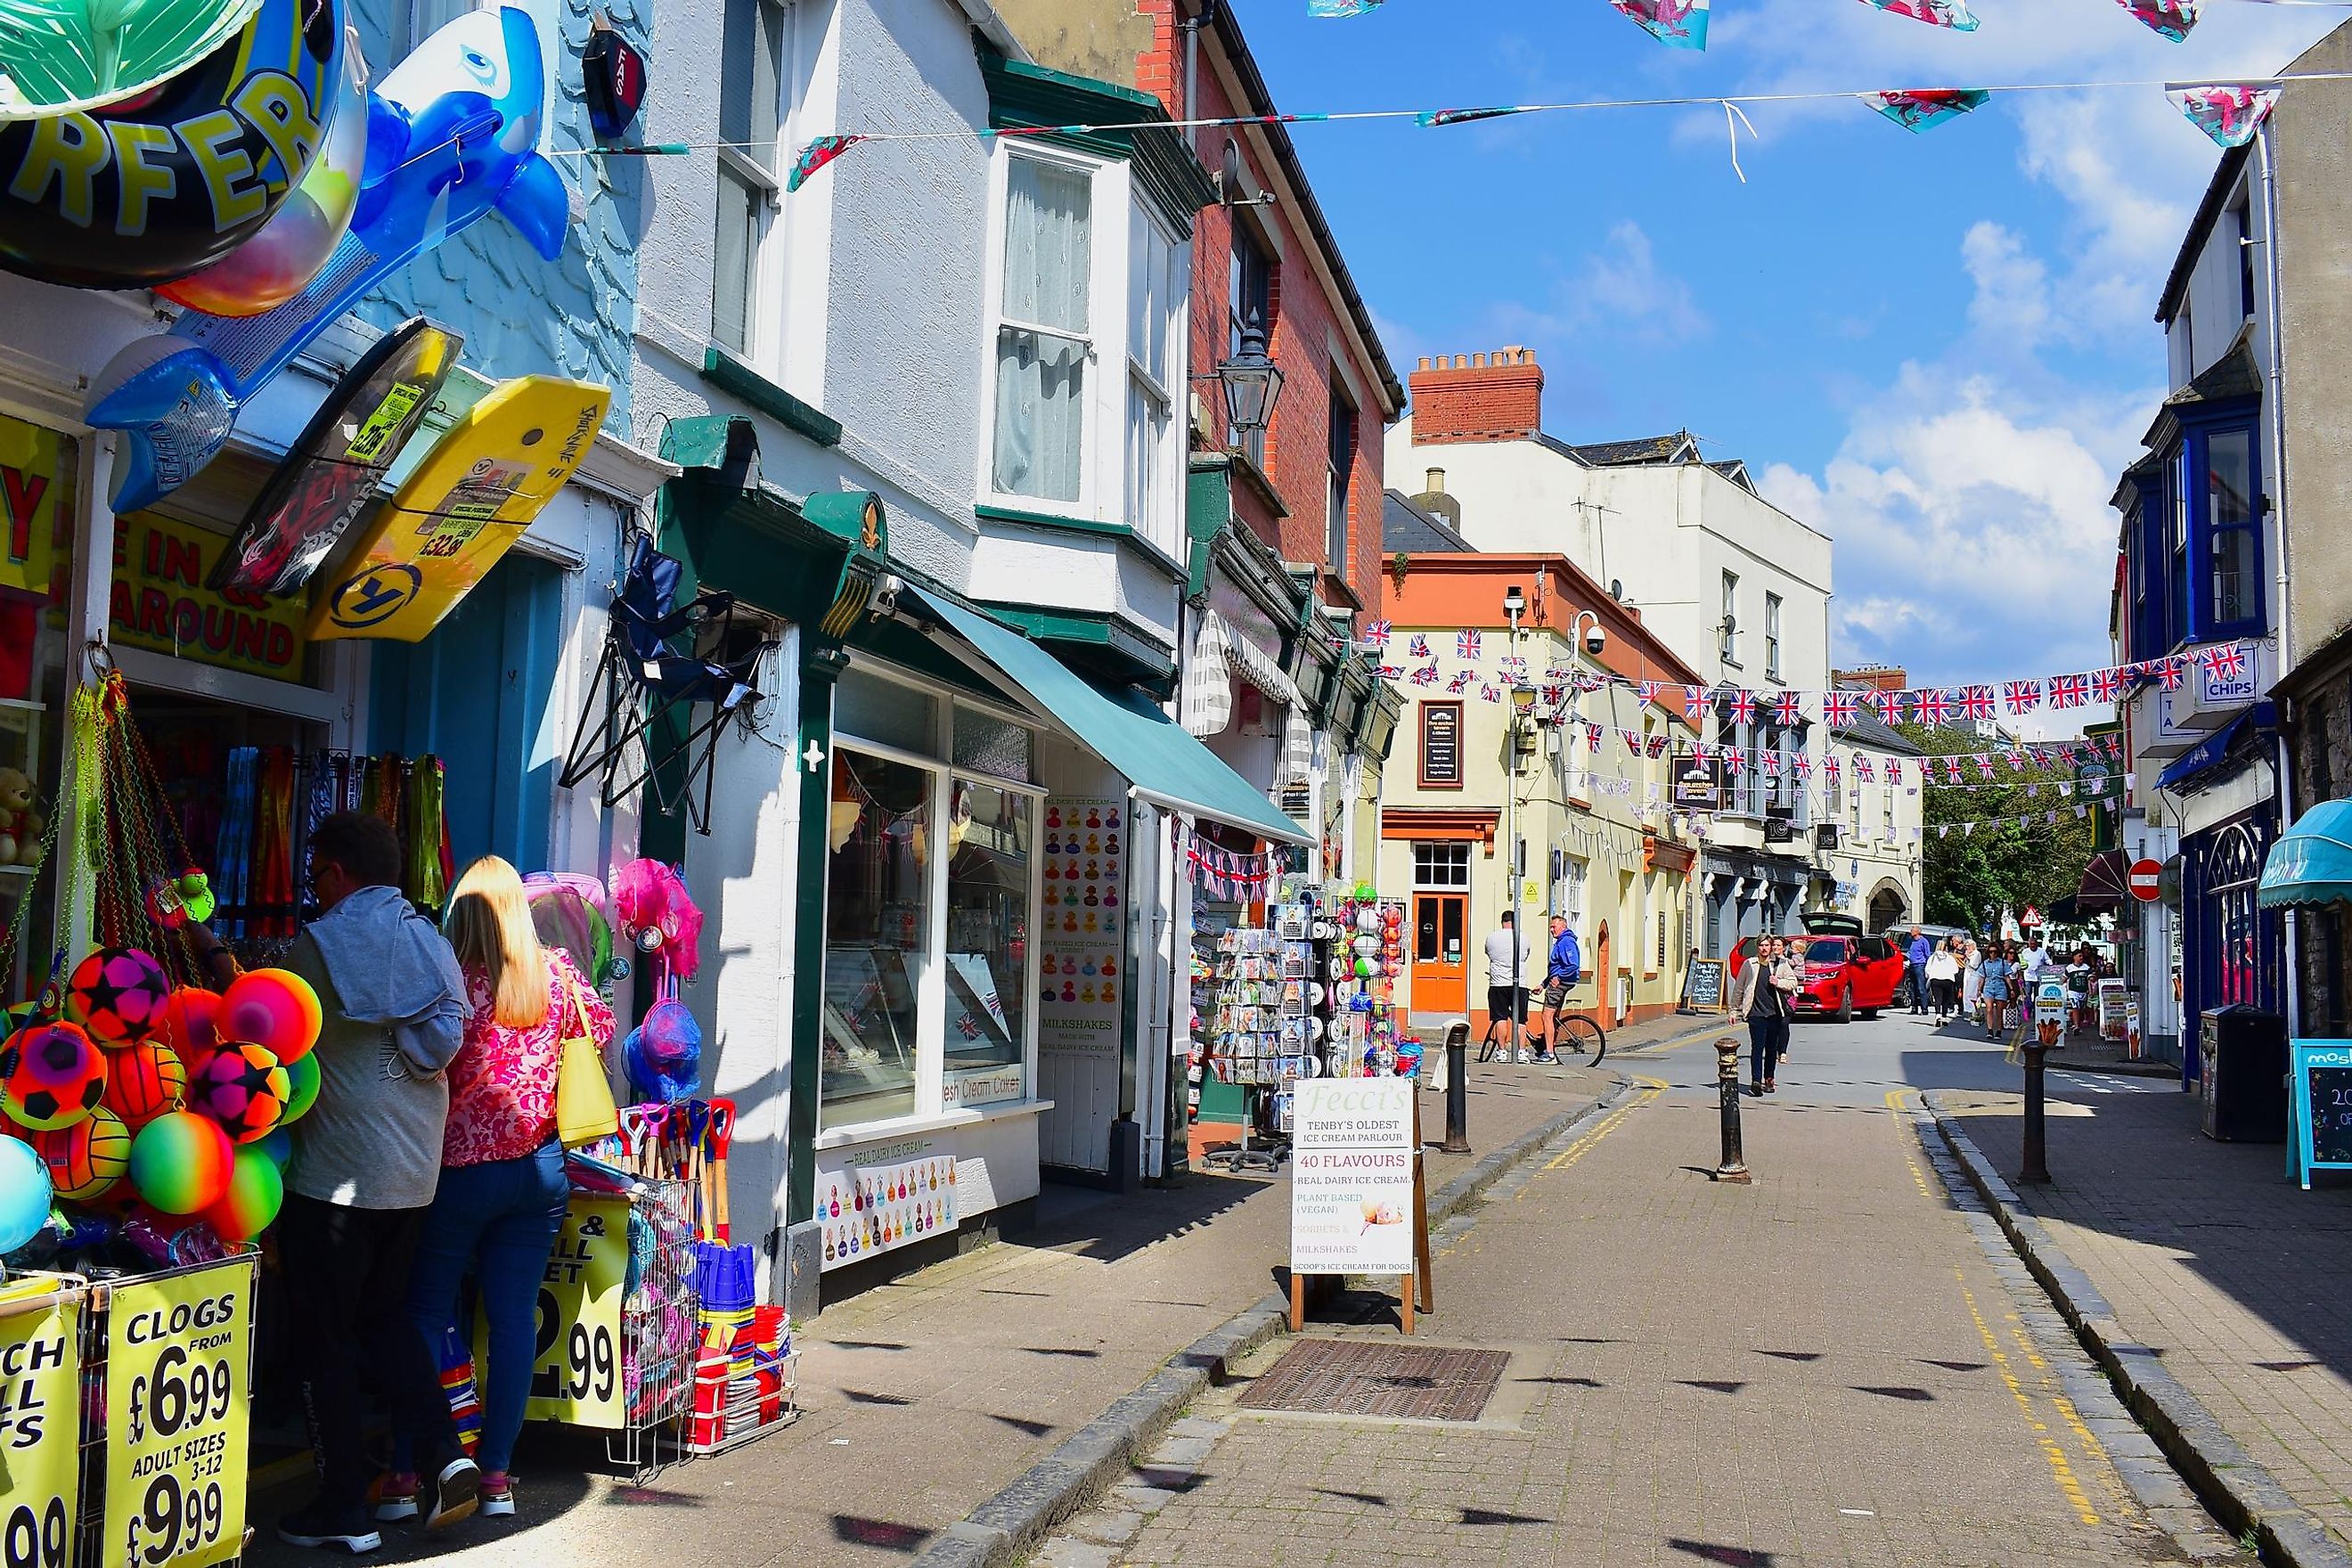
(2143, 880)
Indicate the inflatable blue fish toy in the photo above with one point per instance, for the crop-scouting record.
(452, 133)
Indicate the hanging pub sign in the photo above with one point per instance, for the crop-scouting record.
(160, 602)
(614, 77)
(1698, 782)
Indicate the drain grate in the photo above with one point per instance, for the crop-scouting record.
(1340, 1377)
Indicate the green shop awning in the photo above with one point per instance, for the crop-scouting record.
(1166, 765)
(2311, 861)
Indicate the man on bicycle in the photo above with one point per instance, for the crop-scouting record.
(1563, 969)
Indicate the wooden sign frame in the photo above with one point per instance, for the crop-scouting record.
(1421, 1282)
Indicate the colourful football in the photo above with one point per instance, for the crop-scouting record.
(117, 994)
(142, 1081)
(273, 1008)
(254, 1192)
(302, 1078)
(51, 1075)
(190, 1024)
(242, 1089)
(180, 1162)
(87, 1157)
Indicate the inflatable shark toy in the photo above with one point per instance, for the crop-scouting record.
(452, 133)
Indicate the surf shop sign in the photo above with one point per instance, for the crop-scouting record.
(160, 602)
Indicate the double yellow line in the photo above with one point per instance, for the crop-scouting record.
(1652, 1088)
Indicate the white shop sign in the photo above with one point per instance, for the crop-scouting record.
(1351, 1177)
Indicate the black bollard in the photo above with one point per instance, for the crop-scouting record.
(2037, 1157)
(1457, 1090)
(1734, 1168)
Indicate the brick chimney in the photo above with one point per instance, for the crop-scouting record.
(1873, 677)
(1477, 398)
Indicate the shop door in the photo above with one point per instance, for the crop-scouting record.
(1441, 958)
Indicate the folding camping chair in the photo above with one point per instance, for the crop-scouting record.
(652, 676)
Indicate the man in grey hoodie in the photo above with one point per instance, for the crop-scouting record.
(367, 1159)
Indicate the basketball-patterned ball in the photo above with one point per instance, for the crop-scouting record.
(244, 1089)
(87, 1157)
(142, 1081)
(116, 995)
(51, 1075)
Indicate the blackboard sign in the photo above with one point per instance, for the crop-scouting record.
(2321, 1139)
(1440, 743)
(1705, 984)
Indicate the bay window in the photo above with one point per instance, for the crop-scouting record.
(2233, 550)
(1155, 296)
(2195, 546)
(1043, 331)
(931, 878)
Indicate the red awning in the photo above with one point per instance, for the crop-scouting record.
(2103, 890)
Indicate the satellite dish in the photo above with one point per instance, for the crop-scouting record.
(1617, 589)
(330, 474)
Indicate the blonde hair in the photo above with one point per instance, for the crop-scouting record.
(488, 923)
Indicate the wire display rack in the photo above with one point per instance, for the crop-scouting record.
(657, 1327)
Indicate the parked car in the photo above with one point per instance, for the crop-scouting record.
(1843, 974)
(1899, 934)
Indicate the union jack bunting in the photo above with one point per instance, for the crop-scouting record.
(1934, 706)
(1863, 770)
(1425, 676)
(2023, 696)
(1646, 693)
(1829, 766)
(1461, 681)
(1703, 751)
(1952, 770)
(1467, 643)
(2069, 690)
(2066, 756)
(1837, 708)
(1515, 664)
(1420, 645)
(1976, 702)
(1743, 705)
(1632, 740)
(2168, 671)
(1657, 748)
(1984, 767)
(1804, 761)
(2106, 685)
(1377, 634)
(1737, 759)
(2016, 761)
(1392, 671)
(1889, 705)
(1554, 696)
(1771, 761)
(1592, 737)
(1489, 693)
(1558, 672)
(2224, 661)
(1789, 707)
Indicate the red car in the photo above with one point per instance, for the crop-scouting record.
(1844, 973)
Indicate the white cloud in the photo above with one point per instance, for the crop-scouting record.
(2012, 296)
(1624, 286)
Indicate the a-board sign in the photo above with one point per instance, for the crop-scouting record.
(2114, 999)
(179, 1368)
(2320, 1094)
(1352, 1199)
(40, 1420)
(575, 1375)
(1707, 983)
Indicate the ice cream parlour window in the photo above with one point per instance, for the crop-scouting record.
(991, 849)
(878, 936)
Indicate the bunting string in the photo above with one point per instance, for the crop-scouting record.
(1681, 24)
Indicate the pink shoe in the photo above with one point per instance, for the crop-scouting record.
(498, 1495)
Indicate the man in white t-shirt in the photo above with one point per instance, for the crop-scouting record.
(2036, 957)
(1511, 968)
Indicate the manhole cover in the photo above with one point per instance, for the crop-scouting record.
(1349, 1378)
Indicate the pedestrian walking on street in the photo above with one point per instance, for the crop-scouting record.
(366, 1162)
(1943, 976)
(1563, 965)
(503, 1189)
(1971, 979)
(1510, 966)
(1920, 951)
(1761, 998)
(1999, 974)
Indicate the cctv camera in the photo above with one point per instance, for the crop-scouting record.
(1595, 639)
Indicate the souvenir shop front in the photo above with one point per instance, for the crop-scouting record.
(2233, 950)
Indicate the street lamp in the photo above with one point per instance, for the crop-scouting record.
(1252, 382)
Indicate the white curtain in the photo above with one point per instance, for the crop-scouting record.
(1041, 375)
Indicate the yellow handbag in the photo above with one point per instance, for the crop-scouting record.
(584, 1111)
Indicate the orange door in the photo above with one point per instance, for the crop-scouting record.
(1440, 957)
(1607, 1001)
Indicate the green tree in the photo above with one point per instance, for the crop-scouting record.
(1971, 874)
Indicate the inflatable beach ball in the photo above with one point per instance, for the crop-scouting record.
(51, 1075)
(302, 1082)
(181, 1162)
(25, 1194)
(242, 1089)
(87, 1157)
(256, 1190)
(118, 995)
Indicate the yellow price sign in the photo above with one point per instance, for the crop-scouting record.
(179, 1362)
(575, 1374)
(40, 1428)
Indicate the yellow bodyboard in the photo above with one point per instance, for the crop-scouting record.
(468, 502)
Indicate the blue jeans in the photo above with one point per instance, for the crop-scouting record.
(1918, 988)
(501, 1221)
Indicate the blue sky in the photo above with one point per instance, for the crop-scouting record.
(1939, 349)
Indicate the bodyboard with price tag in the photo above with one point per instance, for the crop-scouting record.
(331, 472)
(466, 503)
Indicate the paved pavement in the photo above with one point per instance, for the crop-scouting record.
(1840, 1364)
(925, 1396)
(2209, 1254)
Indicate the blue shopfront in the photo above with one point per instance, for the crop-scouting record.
(2232, 949)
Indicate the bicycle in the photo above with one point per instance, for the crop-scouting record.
(1588, 1037)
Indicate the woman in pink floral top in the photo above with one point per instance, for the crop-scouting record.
(503, 1191)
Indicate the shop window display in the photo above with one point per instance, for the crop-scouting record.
(989, 830)
(877, 936)
(36, 508)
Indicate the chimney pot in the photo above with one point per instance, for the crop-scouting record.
(1434, 482)
(1479, 361)
(1489, 395)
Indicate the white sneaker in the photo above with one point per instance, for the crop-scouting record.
(1523, 1058)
